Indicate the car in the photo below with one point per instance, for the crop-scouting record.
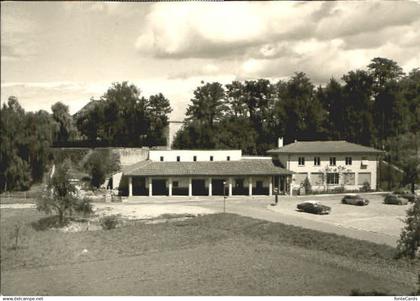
(406, 194)
(394, 199)
(354, 200)
(314, 207)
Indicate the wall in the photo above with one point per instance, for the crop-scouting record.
(291, 162)
(129, 156)
(187, 155)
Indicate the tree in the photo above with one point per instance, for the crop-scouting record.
(65, 129)
(157, 110)
(100, 164)
(60, 195)
(14, 170)
(207, 106)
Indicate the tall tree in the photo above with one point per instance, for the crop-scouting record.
(158, 109)
(65, 129)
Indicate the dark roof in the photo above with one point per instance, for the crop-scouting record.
(206, 168)
(316, 147)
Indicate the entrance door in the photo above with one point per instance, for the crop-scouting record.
(159, 187)
(217, 185)
(199, 187)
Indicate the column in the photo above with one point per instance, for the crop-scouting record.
(170, 187)
(210, 187)
(130, 186)
(250, 186)
(290, 185)
(270, 187)
(150, 187)
(189, 187)
(356, 179)
(230, 186)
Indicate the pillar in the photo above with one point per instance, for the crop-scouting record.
(230, 186)
(270, 187)
(250, 186)
(210, 187)
(290, 185)
(356, 179)
(130, 186)
(170, 187)
(150, 187)
(189, 187)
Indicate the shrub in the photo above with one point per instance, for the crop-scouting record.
(365, 187)
(84, 206)
(338, 189)
(307, 185)
(109, 222)
(409, 242)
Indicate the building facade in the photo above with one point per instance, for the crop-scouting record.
(329, 165)
(204, 173)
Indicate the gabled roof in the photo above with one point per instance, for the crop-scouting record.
(319, 147)
(206, 168)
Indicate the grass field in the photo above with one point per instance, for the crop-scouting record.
(219, 254)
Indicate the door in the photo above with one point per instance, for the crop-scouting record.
(217, 185)
(159, 187)
(199, 187)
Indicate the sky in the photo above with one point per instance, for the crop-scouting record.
(73, 51)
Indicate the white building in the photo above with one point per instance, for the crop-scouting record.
(329, 165)
(203, 172)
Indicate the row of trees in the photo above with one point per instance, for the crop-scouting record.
(378, 107)
(121, 117)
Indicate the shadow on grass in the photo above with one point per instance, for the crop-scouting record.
(48, 223)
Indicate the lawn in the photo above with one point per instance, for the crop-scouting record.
(218, 254)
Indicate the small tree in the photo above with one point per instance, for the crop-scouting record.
(307, 185)
(409, 242)
(60, 195)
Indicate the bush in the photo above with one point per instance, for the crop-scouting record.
(109, 222)
(338, 190)
(84, 206)
(409, 242)
(307, 185)
(365, 187)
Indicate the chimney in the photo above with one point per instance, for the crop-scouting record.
(280, 142)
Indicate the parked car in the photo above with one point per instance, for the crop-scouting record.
(406, 194)
(356, 200)
(394, 199)
(314, 207)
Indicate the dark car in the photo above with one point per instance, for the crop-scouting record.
(354, 200)
(406, 194)
(313, 207)
(394, 199)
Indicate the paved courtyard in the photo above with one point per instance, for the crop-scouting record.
(376, 222)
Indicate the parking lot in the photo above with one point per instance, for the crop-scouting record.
(376, 217)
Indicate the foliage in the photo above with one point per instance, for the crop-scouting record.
(59, 197)
(109, 222)
(409, 243)
(307, 185)
(365, 187)
(122, 117)
(101, 164)
(84, 206)
(64, 122)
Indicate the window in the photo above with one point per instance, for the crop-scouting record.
(228, 158)
(332, 161)
(317, 161)
(332, 178)
(363, 163)
(178, 158)
(348, 161)
(161, 158)
(211, 158)
(301, 161)
(195, 158)
(175, 183)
